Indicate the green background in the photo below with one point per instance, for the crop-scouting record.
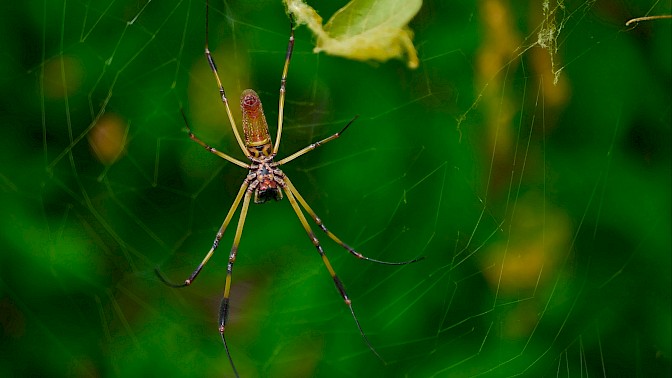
(573, 198)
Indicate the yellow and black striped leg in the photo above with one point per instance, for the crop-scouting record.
(215, 244)
(283, 82)
(224, 306)
(315, 145)
(333, 237)
(222, 94)
(325, 260)
(212, 149)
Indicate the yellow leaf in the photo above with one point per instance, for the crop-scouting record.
(363, 29)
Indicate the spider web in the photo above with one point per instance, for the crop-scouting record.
(527, 158)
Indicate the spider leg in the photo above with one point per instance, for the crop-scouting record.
(224, 306)
(327, 264)
(315, 145)
(211, 149)
(215, 244)
(283, 82)
(333, 237)
(213, 67)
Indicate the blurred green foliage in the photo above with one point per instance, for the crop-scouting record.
(543, 210)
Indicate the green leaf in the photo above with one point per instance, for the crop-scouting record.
(363, 29)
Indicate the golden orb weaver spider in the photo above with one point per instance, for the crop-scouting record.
(266, 182)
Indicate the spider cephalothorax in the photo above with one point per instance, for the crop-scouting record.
(266, 181)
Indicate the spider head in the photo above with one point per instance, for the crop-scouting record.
(267, 191)
(255, 128)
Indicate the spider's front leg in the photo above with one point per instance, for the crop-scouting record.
(224, 305)
(215, 244)
(333, 237)
(325, 260)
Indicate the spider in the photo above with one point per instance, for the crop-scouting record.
(266, 182)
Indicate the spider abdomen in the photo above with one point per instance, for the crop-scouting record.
(255, 127)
